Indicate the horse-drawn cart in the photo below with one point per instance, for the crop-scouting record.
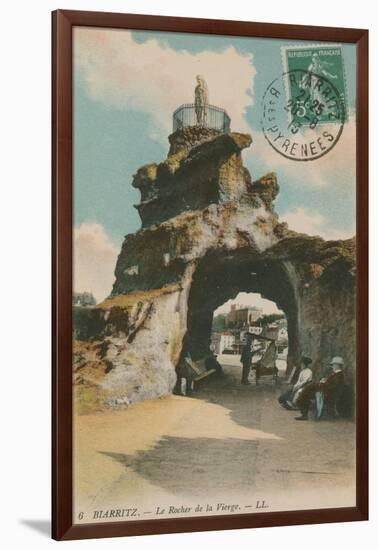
(264, 360)
(194, 371)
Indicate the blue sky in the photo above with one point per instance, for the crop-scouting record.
(126, 85)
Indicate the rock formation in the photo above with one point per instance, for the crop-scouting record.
(209, 231)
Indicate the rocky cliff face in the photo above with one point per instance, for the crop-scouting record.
(203, 167)
(209, 231)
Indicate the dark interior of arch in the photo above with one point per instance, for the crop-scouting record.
(220, 277)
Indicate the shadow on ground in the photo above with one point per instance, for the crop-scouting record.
(245, 409)
(309, 456)
(191, 466)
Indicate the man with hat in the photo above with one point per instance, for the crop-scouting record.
(329, 387)
(246, 358)
(289, 398)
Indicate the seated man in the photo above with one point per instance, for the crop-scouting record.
(329, 387)
(289, 399)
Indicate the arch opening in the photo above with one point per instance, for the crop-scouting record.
(251, 314)
(221, 277)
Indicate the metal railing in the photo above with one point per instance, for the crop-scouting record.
(209, 116)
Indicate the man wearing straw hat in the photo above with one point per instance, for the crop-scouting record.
(329, 387)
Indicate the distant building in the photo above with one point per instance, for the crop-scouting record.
(240, 317)
(229, 331)
(220, 341)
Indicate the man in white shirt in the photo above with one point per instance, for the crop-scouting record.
(289, 399)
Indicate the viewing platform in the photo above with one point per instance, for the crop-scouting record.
(207, 116)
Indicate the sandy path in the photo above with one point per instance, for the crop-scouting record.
(230, 446)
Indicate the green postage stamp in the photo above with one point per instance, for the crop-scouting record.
(323, 60)
(305, 108)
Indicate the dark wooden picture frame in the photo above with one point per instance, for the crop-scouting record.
(62, 162)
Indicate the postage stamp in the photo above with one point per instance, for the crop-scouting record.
(324, 60)
(303, 114)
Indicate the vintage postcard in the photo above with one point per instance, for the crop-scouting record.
(214, 320)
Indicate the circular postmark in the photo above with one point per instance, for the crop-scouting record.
(303, 115)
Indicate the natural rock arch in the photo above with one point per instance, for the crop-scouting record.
(206, 226)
